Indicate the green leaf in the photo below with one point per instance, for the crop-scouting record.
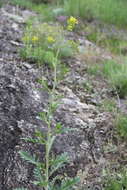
(52, 183)
(30, 140)
(41, 137)
(43, 116)
(54, 106)
(58, 128)
(38, 174)
(50, 143)
(69, 183)
(31, 159)
(40, 183)
(59, 162)
(44, 83)
(114, 185)
(49, 57)
(40, 178)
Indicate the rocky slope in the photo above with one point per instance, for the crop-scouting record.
(21, 101)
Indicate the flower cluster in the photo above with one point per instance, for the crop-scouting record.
(50, 39)
(35, 38)
(71, 22)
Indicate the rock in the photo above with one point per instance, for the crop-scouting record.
(15, 26)
(27, 14)
(16, 18)
(20, 102)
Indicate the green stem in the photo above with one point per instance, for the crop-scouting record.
(55, 82)
(49, 121)
(47, 155)
(55, 73)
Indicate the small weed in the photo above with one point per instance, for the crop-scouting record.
(46, 43)
(88, 86)
(109, 105)
(93, 36)
(110, 148)
(121, 125)
(94, 69)
(44, 171)
(116, 181)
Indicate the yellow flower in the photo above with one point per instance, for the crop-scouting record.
(35, 38)
(50, 39)
(26, 38)
(70, 27)
(72, 21)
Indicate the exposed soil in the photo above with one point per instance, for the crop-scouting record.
(91, 148)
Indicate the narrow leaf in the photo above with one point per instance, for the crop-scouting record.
(59, 162)
(31, 159)
(51, 141)
(40, 183)
(30, 140)
(69, 183)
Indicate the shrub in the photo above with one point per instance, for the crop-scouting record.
(43, 40)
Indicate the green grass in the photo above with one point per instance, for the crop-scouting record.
(116, 73)
(114, 43)
(25, 4)
(95, 69)
(45, 11)
(1, 3)
(109, 105)
(121, 125)
(117, 181)
(110, 11)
